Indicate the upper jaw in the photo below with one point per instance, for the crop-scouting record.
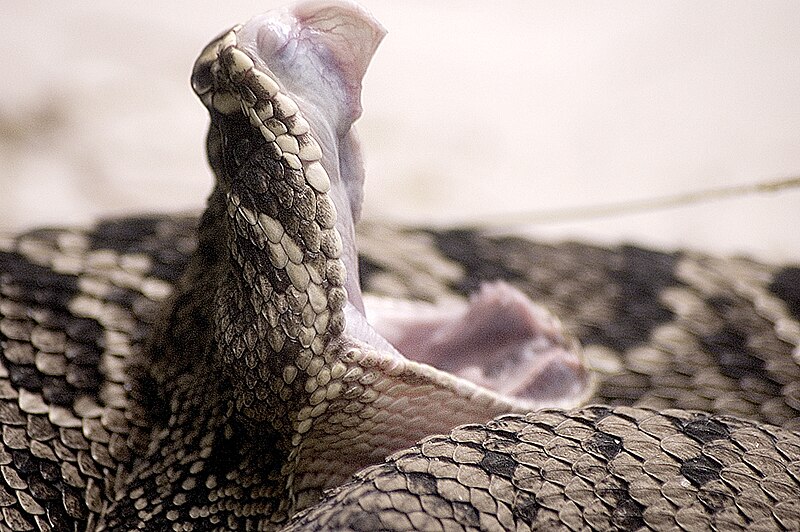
(317, 51)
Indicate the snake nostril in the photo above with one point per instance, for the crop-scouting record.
(202, 80)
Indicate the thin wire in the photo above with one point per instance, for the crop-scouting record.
(572, 214)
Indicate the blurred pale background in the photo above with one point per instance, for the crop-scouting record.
(472, 109)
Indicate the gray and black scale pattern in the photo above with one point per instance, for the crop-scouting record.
(664, 330)
(594, 468)
(67, 430)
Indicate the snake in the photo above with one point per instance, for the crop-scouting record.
(252, 369)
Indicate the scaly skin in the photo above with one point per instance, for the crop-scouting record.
(262, 383)
(677, 344)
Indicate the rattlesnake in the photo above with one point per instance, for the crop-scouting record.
(161, 377)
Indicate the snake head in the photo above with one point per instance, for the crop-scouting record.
(283, 91)
(318, 51)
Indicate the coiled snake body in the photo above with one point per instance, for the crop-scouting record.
(170, 373)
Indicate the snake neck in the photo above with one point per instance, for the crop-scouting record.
(288, 191)
(277, 305)
(254, 328)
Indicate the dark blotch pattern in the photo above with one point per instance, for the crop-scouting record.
(44, 295)
(627, 515)
(498, 464)
(640, 275)
(729, 347)
(367, 270)
(167, 243)
(123, 235)
(701, 469)
(604, 444)
(471, 250)
(786, 285)
(706, 429)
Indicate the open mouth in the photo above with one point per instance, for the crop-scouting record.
(499, 340)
